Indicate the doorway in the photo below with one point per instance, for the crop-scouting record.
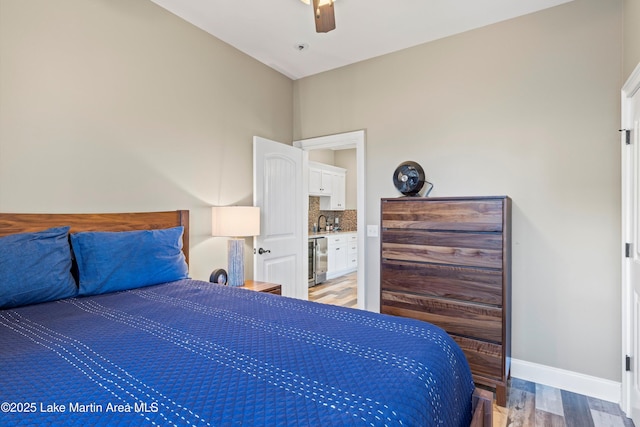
(344, 141)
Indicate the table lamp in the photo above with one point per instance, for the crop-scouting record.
(235, 222)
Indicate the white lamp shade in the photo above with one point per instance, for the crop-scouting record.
(235, 221)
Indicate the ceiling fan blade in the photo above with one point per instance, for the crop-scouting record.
(324, 16)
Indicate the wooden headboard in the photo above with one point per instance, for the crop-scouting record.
(11, 223)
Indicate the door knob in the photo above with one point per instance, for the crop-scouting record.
(263, 251)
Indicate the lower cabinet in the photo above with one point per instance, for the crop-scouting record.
(342, 254)
(352, 252)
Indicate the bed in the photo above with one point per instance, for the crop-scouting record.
(132, 340)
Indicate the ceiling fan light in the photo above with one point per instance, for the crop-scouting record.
(324, 15)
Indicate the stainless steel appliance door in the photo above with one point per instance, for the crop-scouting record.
(321, 259)
(312, 262)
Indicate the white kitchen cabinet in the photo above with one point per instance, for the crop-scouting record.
(320, 181)
(337, 254)
(336, 201)
(328, 182)
(342, 254)
(352, 252)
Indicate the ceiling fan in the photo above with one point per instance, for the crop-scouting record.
(323, 14)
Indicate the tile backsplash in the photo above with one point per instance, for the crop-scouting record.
(347, 218)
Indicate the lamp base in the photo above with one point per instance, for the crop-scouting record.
(236, 262)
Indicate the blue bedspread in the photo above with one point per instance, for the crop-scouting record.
(195, 353)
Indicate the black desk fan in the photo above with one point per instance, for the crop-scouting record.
(409, 179)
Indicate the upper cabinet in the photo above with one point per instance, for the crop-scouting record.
(328, 182)
(320, 182)
(336, 201)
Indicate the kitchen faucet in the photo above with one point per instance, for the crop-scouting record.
(325, 222)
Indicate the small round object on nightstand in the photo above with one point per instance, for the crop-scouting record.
(219, 276)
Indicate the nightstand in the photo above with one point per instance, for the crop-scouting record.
(270, 288)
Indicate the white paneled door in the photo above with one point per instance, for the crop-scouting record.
(277, 190)
(631, 241)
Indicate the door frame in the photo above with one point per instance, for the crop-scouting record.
(630, 88)
(355, 139)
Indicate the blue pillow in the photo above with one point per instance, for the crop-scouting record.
(35, 267)
(111, 261)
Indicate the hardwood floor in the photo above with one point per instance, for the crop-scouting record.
(340, 291)
(531, 404)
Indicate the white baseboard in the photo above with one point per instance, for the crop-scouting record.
(575, 382)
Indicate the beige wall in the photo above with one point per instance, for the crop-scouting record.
(528, 108)
(322, 156)
(631, 36)
(120, 106)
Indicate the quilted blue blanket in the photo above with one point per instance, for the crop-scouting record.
(199, 354)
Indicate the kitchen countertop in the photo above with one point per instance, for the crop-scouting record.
(329, 233)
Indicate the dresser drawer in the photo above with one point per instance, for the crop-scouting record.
(457, 318)
(484, 358)
(473, 249)
(464, 215)
(444, 247)
(460, 283)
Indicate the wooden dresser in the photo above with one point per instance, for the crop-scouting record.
(448, 261)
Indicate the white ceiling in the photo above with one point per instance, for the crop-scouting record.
(271, 30)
